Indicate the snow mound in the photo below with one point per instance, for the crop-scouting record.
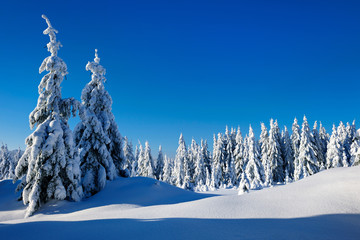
(323, 206)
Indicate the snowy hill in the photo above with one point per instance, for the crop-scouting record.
(323, 206)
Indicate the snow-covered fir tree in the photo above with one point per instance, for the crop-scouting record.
(216, 174)
(145, 168)
(355, 150)
(295, 140)
(49, 168)
(274, 153)
(91, 138)
(129, 158)
(264, 151)
(345, 143)
(7, 162)
(159, 166)
(134, 166)
(308, 164)
(288, 154)
(167, 175)
(206, 155)
(254, 169)
(324, 141)
(317, 143)
(180, 158)
(229, 177)
(244, 185)
(200, 172)
(239, 156)
(95, 97)
(334, 152)
(189, 165)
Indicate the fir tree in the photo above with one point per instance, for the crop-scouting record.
(180, 158)
(49, 168)
(98, 100)
(7, 166)
(274, 153)
(239, 156)
(200, 172)
(134, 166)
(129, 158)
(167, 171)
(244, 185)
(288, 154)
(216, 175)
(318, 148)
(264, 150)
(206, 155)
(308, 164)
(254, 169)
(354, 151)
(334, 153)
(146, 168)
(295, 140)
(159, 164)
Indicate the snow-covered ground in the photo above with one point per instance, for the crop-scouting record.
(323, 206)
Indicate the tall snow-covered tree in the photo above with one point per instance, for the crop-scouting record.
(216, 174)
(159, 166)
(254, 169)
(200, 172)
(317, 143)
(95, 97)
(334, 152)
(288, 154)
(308, 164)
(189, 165)
(7, 167)
(145, 167)
(180, 158)
(206, 155)
(355, 150)
(91, 138)
(129, 158)
(49, 168)
(274, 153)
(134, 166)
(244, 185)
(345, 143)
(229, 177)
(295, 140)
(167, 171)
(264, 151)
(324, 141)
(239, 156)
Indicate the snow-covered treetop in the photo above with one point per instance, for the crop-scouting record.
(50, 102)
(98, 71)
(53, 46)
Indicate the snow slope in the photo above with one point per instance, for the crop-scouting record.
(323, 206)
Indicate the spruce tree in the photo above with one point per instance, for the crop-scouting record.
(334, 154)
(244, 185)
(308, 164)
(145, 167)
(354, 150)
(216, 175)
(206, 155)
(295, 139)
(288, 155)
(274, 155)
(238, 156)
(254, 169)
(318, 148)
(167, 171)
(129, 158)
(180, 158)
(200, 172)
(134, 166)
(264, 150)
(7, 166)
(159, 166)
(49, 168)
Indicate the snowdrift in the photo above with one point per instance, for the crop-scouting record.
(323, 206)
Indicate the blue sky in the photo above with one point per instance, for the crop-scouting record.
(188, 66)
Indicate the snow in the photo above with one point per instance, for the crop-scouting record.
(323, 206)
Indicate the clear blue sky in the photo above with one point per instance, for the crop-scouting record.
(188, 66)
